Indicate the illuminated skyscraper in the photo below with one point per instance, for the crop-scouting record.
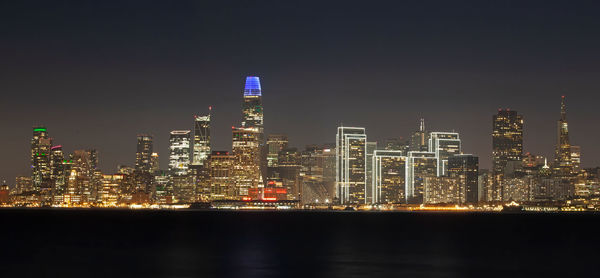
(419, 165)
(444, 145)
(389, 171)
(143, 153)
(179, 166)
(275, 144)
(252, 108)
(179, 152)
(576, 158)
(418, 140)
(246, 167)
(465, 168)
(201, 139)
(351, 165)
(154, 163)
(507, 148)
(58, 172)
(370, 150)
(220, 168)
(507, 139)
(40, 159)
(562, 163)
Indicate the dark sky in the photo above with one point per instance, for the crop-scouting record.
(96, 73)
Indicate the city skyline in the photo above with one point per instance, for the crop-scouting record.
(164, 159)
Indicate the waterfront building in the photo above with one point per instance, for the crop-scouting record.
(419, 165)
(389, 176)
(370, 149)
(246, 150)
(351, 165)
(220, 169)
(109, 191)
(317, 174)
(443, 190)
(465, 168)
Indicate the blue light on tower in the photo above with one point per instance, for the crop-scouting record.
(252, 87)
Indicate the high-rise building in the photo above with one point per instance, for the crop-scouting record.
(370, 150)
(220, 168)
(444, 145)
(109, 191)
(23, 184)
(246, 150)
(275, 144)
(179, 166)
(143, 153)
(40, 159)
(351, 169)
(58, 171)
(418, 140)
(442, 190)
(201, 139)
(288, 172)
(419, 165)
(179, 152)
(507, 148)
(389, 171)
(252, 108)
(576, 158)
(317, 174)
(154, 163)
(465, 168)
(563, 165)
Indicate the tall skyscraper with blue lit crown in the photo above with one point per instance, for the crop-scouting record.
(252, 108)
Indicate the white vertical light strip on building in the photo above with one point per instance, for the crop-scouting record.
(343, 143)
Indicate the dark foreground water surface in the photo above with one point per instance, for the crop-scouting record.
(124, 243)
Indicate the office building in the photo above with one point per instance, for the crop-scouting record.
(201, 143)
(351, 169)
(389, 174)
(275, 144)
(444, 145)
(419, 166)
(179, 152)
(252, 108)
(246, 150)
(143, 153)
(465, 168)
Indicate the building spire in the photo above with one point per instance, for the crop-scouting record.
(422, 125)
(563, 109)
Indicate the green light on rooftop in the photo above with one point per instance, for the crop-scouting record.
(39, 129)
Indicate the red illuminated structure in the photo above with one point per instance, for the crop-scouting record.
(266, 194)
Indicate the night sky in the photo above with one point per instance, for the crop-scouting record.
(97, 73)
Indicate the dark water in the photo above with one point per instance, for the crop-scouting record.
(111, 243)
